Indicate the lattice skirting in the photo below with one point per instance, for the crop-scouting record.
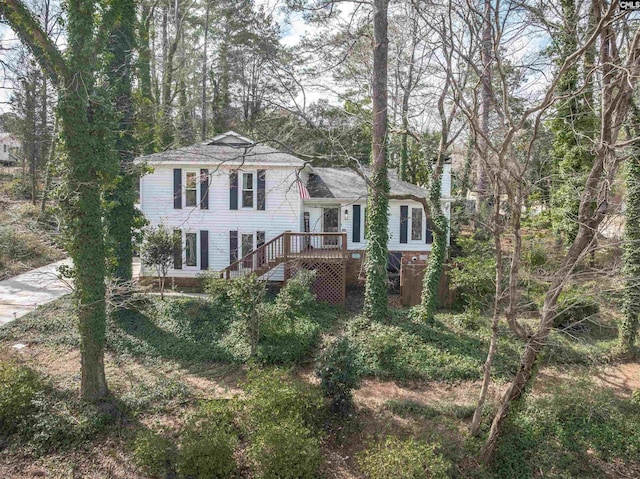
(330, 283)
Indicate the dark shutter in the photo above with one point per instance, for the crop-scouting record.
(261, 189)
(204, 250)
(429, 235)
(204, 189)
(356, 224)
(233, 191)
(404, 223)
(233, 247)
(177, 249)
(177, 188)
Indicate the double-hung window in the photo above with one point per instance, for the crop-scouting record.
(191, 249)
(416, 224)
(192, 188)
(247, 190)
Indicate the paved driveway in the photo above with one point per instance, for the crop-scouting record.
(23, 293)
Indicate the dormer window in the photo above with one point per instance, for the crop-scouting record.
(247, 190)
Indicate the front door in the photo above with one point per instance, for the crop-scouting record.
(330, 224)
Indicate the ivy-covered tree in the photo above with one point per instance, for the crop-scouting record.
(573, 128)
(120, 210)
(628, 331)
(375, 299)
(87, 128)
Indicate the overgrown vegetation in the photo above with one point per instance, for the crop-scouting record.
(27, 241)
(576, 430)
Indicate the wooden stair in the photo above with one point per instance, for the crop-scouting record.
(288, 246)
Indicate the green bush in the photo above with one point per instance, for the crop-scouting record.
(285, 449)
(207, 444)
(339, 375)
(217, 288)
(295, 298)
(273, 396)
(403, 459)
(574, 306)
(474, 274)
(154, 453)
(291, 325)
(19, 386)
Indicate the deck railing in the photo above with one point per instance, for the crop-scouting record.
(286, 247)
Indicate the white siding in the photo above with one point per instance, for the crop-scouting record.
(445, 189)
(282, 211)
(346, 225)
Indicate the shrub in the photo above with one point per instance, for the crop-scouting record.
(273, 396)
(474, 274)
(154, 453)
(573, 307)
(247, 294)
(285, 449)
(217, 288)
(207, 444)
(295, 298)
(339, 375)
(291, 325)
(18, 388)
(402, 459)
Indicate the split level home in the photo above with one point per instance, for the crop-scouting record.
(239, 207)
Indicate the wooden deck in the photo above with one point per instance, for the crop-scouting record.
(324, 253)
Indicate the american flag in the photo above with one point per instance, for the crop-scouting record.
(304, 192)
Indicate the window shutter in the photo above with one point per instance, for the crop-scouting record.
(404, 223)
(356, 224)
(204, 250)
(429, 235)
(177, 188)
(233, 192)
(177, 249)
(233, 247)
(261, 189)
(204, 189)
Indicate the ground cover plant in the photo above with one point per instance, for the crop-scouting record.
(187, 404)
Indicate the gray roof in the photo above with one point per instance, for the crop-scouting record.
(228, 148)
(346, 183)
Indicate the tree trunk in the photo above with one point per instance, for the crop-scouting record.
(120, 216)
(485, 56)
(628, 331)
(205, 72)
(375, 304)
(474, 429)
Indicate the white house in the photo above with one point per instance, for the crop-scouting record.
(230, 199)
(9, 147)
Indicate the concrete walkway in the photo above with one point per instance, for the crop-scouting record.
(23, 293)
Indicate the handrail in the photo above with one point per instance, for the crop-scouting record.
(281, 251)
(229, 268)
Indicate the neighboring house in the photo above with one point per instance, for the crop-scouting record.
(241, 207)
(9, 148)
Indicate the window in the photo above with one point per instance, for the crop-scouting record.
(192, 185)
(177, 249)
(5, 148)
(247, 190)
(191, 245)
(416, 224)
(247, 247)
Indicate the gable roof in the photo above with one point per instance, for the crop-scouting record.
(344, 183)
(228, 148)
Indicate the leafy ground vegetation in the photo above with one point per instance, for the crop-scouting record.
(27, 240)
(326, 394)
